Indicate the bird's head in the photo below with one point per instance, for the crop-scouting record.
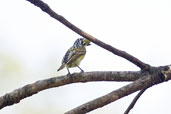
(81, 42)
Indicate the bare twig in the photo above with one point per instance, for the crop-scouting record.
(165, 71)
(61, 19)
(144, 82)
(31, 89)
(156, 76)
(149, 79)
(134, 101)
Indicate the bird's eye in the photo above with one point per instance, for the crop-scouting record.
(81, 42)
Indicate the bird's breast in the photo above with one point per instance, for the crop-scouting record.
(75, 62)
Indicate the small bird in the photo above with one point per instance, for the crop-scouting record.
(75, 54)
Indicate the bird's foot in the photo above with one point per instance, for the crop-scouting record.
(69, 74)
(82, 71)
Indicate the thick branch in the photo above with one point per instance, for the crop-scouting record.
(61, 19)
(31, 89)
(144, 82)
(149, 79)
(156, 76)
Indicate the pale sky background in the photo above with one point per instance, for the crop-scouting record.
(32, 45)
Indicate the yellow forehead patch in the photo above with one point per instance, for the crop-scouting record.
(86, 41)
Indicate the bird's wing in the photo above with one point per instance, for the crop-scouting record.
(73, 53)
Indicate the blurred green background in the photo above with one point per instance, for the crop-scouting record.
(32, 45)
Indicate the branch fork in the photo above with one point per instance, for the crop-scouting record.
(141, 80)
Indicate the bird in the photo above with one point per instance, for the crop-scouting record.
(75, 54)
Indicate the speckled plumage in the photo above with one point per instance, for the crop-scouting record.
(74, 55)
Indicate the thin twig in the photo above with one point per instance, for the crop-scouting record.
(143, 82)
(28, 90)
(31, 89)
(156, 76)
(61, 19)
(134, 101)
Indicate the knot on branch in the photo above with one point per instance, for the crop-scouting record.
(8, 100)
(157, 77)
(45, 7)
(166, 72)
(40, 4)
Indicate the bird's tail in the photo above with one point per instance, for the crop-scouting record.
(61, 67)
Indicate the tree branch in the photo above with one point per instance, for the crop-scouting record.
(31, 89)
(61, 19)
(148, 79)
(156, 76)
(165, 71)
(134, 101)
